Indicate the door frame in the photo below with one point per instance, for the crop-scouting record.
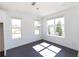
(4, 51)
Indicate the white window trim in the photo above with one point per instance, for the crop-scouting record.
(35, 27)
(54, 29)
(15, 27)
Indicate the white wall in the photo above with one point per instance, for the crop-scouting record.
(27, 30)
(71, 39)
(71, 29)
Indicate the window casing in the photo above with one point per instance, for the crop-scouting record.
(16, 28)
(36, 27)
(55, 27)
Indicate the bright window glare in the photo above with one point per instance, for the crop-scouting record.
(45, 44)
(37, 32)
(55, 26)
(54, 48)
(50, 22)
(47, 53)
(36, 23)
(16, 36)
(59, 19)
(16, 28)
(16, 22)
(37, 27)
(38, 47)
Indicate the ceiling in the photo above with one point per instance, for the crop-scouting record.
(45, 8)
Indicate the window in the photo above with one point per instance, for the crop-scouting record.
(56, 27)
(50, 24)
(37, 27)
(16, 28)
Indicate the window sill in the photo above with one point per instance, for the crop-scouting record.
(56, 36)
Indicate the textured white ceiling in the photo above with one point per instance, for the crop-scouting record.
(45, 8)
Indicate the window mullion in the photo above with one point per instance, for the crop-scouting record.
(54, 26)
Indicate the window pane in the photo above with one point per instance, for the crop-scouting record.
(16, 31)
(16, 23)
(59, 26)
(37, 27)
(36, 32)
(51, 30)
(16, 28)
(36, 23)
(50, 22)
(50, 26)
(61, 19)
(14, 36)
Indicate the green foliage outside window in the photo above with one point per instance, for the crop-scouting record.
(48, 29)
(59, 28)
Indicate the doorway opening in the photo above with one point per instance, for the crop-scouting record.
(1, 40)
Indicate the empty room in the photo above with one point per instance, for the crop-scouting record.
(39, 29)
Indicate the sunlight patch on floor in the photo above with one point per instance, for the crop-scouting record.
(47, 53)
(46, 49)
(44, 44)
(38, 47)
(54, 48)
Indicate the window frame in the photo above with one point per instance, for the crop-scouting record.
(55, 27)
(12, 27)
(37, 27)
